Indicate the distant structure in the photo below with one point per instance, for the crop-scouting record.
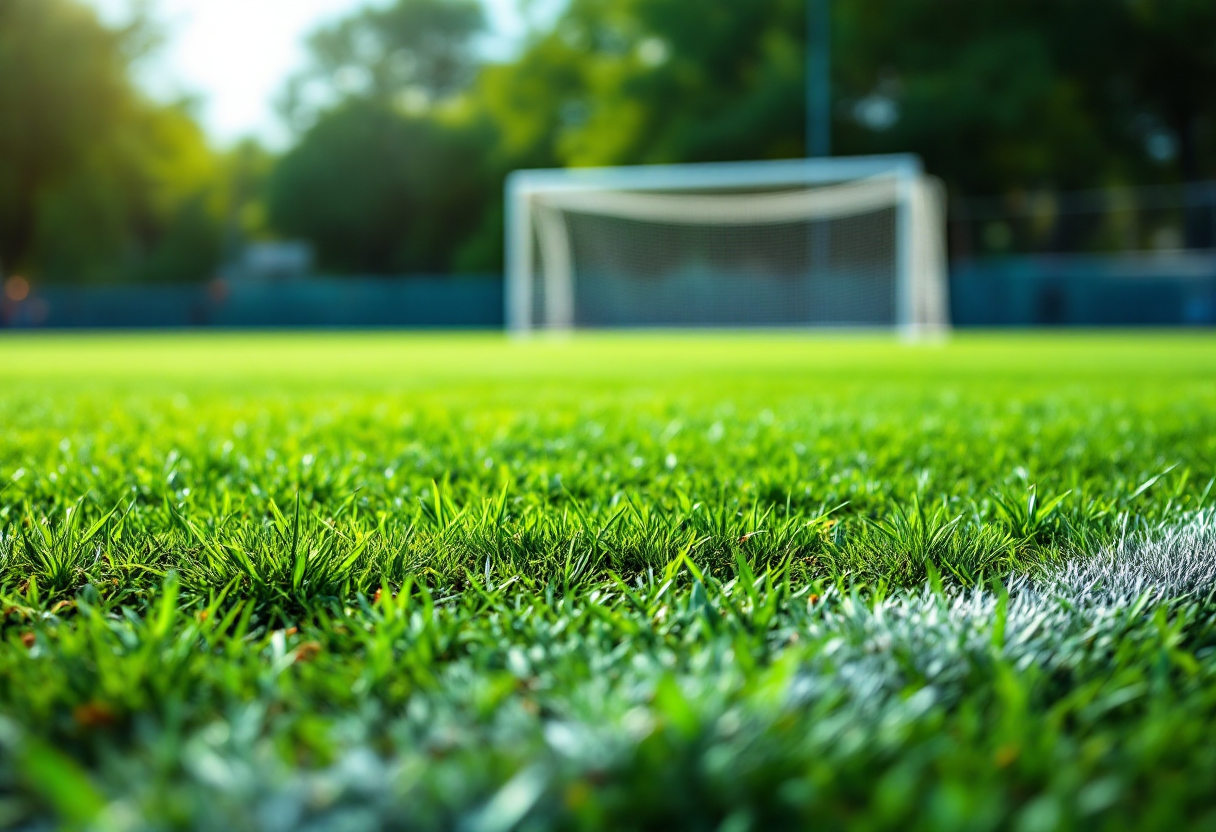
(271, 261)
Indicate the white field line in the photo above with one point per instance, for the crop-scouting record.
(1174, 562)
(856, 682)
(1057, 621)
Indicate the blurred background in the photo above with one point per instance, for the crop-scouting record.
(339, 163)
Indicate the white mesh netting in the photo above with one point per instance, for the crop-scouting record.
(807, 256)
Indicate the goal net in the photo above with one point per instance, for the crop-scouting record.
(850, 242)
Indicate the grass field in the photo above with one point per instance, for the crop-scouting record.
(726, 582)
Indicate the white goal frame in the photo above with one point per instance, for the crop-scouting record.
(921, 300)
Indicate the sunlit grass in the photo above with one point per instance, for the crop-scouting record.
(760, 581)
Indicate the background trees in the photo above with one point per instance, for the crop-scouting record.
(381, 191)
(998, 97)
(1042, 93)
(404, 133)
(392, 172)
(96, 183)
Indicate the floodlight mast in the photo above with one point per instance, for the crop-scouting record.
(818, 78)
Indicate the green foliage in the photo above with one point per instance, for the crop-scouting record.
(646, 81)
(1089, 92)
(97, 184)
(1097, 87)
(408, 582)
(403, 139)
(50, 51)
(632, 81)
(393, 172)
(411, 52)
(380, 192)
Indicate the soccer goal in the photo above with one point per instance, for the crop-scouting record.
(842, 242)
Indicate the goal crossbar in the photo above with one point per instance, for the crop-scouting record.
(747, 209)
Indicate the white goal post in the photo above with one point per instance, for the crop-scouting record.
(846, 242)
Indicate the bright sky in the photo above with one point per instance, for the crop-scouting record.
(236, 54)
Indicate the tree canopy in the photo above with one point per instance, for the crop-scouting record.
(378, 191)
(404, 132)
(97, 183)
(997, 97)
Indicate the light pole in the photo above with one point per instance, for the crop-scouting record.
(818, 135)
(818, 78)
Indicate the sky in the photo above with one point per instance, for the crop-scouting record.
(235, 55)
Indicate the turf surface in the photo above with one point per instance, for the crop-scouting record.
(709, 582)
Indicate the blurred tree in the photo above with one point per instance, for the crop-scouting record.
(1015, 94)
(978, 89)
(1147, 69)
(96, 182)
(411, 53)
(378, 191)
(1150, 71)
(999, 97)
(405, 138)
(244, 179)
(393, 171)
(637, 81)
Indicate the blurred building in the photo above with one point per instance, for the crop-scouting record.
(280, 260)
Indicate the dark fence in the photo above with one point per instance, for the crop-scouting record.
(1109, 257)
(459, 302)
(1109, 221)
(1160, 289)
(1067, 290)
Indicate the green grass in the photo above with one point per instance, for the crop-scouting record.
(733, 582)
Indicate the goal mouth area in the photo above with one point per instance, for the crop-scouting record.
(842, 243)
